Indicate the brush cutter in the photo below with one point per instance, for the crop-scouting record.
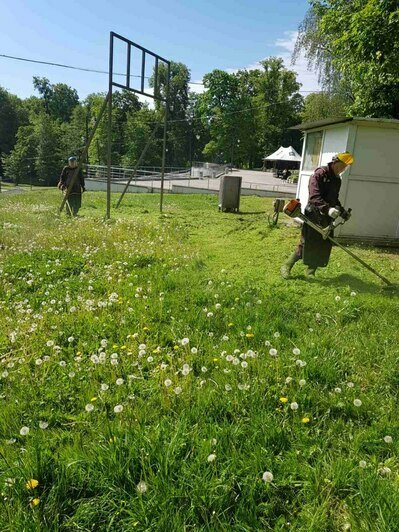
(293, 210)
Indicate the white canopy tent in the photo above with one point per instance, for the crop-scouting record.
(284, 154)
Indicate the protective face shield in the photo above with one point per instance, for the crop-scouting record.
(73, 162)
(341, 161)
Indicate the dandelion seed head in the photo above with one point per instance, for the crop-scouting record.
(267, 477)
(142, 487)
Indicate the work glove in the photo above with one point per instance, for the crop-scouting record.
(333, 213)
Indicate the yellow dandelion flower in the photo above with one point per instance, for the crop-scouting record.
(284, 399)
(230, 324)
(305, 420)
(78, 353)
(115, 346)
(123, 347)
(176, 347)
(32, 484)
(216, 360)
(146, 329)
(35, 501)
(249, 335)
(93, 399)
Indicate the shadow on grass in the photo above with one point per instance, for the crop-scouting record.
(358, 284)
(253, 212)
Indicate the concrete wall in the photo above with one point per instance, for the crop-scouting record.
(98, 185)
(181, 189)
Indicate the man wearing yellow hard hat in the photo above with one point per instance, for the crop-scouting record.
(323, 207)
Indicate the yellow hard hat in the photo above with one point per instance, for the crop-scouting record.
(345, 157)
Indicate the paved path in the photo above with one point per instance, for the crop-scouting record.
(250, 180)
(12, 190)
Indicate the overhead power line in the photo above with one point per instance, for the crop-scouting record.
(71, 67)
(96, 71)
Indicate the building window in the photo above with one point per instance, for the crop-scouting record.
(312, 151)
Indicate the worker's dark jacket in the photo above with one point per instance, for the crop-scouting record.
(324, 187)
(66, 178)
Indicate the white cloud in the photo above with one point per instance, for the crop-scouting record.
(307, 78)
(197, 86)
(284, 49)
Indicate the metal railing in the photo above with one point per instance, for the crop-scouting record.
(150, 178)
(143, 173)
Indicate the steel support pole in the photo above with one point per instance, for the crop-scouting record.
(138, 164)
(164, 138)
(109, 125)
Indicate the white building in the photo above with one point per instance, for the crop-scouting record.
(371, 185)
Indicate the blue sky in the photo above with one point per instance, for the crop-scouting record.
(202, 34)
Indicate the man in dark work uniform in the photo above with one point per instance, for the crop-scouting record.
(323, 207)
(74, 201)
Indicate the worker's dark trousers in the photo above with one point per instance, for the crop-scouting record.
(73, 205)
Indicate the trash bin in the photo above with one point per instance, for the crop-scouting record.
(229, 193)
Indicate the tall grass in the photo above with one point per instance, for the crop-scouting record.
(154, 367)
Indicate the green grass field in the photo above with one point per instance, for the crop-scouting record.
(157, 374)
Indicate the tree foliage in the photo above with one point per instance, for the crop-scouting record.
(320, 105)
(238, 119)
(355, 47)
(59, 99)
(12, 116)
(249, 112)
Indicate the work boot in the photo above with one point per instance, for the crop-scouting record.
(311, 272)
(286, 268)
